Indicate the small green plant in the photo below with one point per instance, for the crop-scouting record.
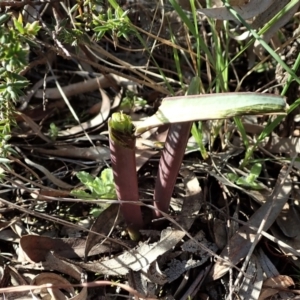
(53, 131)
(101, 187)
(114, 22)
(14, 48)
(30, 29)
(249, 181)
(131, 101)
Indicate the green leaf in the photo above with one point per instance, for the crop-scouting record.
(33, 28)
(19, 26)
(250, 180)
(81, 194)
(84, 177)
(232, 177)
(107, 176)
(249, 184)
(256, 170)
(4, 18)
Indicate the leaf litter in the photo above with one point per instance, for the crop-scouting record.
(203, 219)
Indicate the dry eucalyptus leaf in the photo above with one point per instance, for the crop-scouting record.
(54, 279)
(97, 153)
(104, 223)
(58, 182)
(53, 263)
(274, 285)
(176, 267)
(142, 284)
(266, 264)
(284, 19)
(77, 88)
(98, 120)
(139, 258)
(34, 248)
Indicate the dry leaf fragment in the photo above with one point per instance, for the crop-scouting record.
(272, 286)
(139, 258)
(35, 248)
(54, 279)
(177, 267)
(78, 88)
(104, 223)
(97, 153)
(49, 175)
(99, 119)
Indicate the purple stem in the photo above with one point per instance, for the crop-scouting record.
(125, 176)
(169, 165)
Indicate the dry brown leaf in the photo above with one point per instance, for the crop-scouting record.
(35, 128)
(34, 248)
(294, 243)
(54, 263)
(139, 258)
(220, 233)
(39, 113)
(96, 121)
(49, 175)
(272, 286)
(197, 256)
(55, 280)
(10, 276)
(104, 224)
(267, 36)
(89, 85)
(97, 153)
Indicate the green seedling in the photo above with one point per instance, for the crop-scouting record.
(14, 49)
(114, 23)
(132, 102)
(53, 131)
(101, 187)
(249, 181)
